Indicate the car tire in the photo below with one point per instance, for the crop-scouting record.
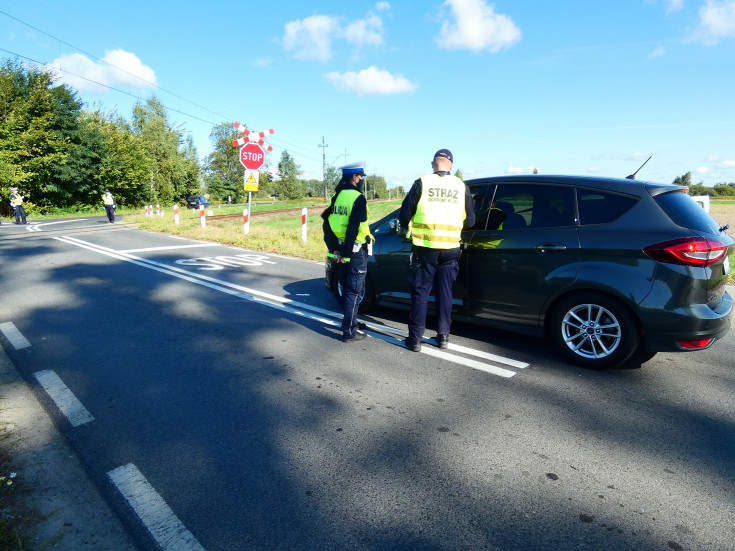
(594, 330)
(368, 297)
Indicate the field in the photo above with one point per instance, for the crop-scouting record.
(724, 213)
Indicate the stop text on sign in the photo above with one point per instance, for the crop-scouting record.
(252, 156)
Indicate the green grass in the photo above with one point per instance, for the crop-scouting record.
(280, 235)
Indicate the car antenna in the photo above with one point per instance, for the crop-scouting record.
(632, 176)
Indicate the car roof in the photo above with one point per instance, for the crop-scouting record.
(623, 185)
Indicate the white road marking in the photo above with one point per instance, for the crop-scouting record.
(170, 248)
(15, 337)
(165, 527)
(37, 226)
(64, 398)
(287, 305)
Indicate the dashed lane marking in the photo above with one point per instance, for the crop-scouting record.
(299, 309)
(165, 527)
(64, 398)
(15, 337)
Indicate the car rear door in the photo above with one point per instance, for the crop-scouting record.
(523, 252)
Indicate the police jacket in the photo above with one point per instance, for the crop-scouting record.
(438, 223)
(356, 221)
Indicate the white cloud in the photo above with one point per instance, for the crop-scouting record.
(262, 62)
(674, 5)
(716, 22)
(311, 38)
(477, 27)
(370, 82)
(728, 164)
(117, 68)
(657, 52)
(365, 32)
(702, 170)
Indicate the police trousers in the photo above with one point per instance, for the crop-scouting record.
(352, 277)
(437, 269)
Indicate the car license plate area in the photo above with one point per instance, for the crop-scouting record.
(726, 266)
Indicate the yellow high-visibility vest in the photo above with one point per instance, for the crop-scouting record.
(440, 212)
(16, 200)
(340, 216)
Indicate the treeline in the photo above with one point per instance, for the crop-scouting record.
(718, 190)
(62, 156)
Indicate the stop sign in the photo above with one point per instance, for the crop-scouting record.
(252, 156)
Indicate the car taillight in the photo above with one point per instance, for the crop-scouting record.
(696, 345)
(689, 251)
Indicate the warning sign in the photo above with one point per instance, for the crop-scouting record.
(252, 177)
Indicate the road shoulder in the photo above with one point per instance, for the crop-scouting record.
(71, 513)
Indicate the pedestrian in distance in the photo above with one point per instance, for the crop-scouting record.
(109, 201)
(16, 201)
(435, 211)
(347, 236)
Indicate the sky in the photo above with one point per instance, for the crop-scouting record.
(568, 87)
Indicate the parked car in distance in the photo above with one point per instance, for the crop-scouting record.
(194, 201)
(603, 267)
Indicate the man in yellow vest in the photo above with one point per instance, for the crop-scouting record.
(347, 236)
(109, 201)
(16, 201)
(438, 207)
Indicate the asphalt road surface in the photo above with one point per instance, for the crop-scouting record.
(208, 394)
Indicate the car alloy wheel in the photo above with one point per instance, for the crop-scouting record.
(594, 330)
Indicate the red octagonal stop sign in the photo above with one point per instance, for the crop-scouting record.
(252, 156)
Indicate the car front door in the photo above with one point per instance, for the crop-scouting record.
(524, 250)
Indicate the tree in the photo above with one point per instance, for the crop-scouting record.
(174, 172)
(32, 143)
(289, 185)
(458, 174)
(685, 180)
(124, 166)
(699, 189)
(376, 187)
(223, 172)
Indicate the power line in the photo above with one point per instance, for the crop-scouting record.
(155, 85)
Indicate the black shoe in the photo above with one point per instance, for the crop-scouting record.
(356, 337)
(442, 341)
(412, 346)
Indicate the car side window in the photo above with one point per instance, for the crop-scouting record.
(599, 207)
(534, 206)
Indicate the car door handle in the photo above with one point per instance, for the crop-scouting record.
(550, 247)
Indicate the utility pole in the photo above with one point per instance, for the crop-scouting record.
(324, 165)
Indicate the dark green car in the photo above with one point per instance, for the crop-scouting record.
(604, 267)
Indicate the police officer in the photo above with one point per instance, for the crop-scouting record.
(16, 201)
(109, 201)
(347, 236)
(438, 206)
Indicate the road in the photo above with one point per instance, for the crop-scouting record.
(208, 394)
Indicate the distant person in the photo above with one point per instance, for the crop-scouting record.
(16, 201)
(347, 236)
(438, 206)
(109, 201)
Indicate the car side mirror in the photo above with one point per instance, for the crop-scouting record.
(394, 225)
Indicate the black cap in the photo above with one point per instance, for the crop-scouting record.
(444, 153)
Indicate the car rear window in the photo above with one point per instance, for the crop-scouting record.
(600, 207)
(686, 212)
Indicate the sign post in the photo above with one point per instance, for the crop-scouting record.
(252, 157)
